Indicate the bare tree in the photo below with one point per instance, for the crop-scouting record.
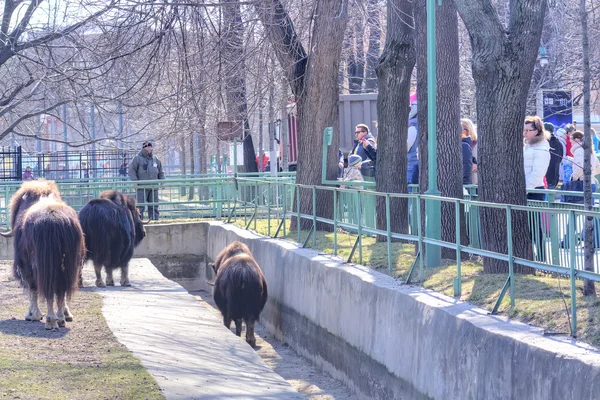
(313, 80)
(374, 8)
(393, 73)
(235, 76)
(504, 56)
(448, 146)
(589, 288)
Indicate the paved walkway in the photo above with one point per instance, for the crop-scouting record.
(182, 343)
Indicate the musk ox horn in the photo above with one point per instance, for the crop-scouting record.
(210, 283)
(7, 234)
(146, 222)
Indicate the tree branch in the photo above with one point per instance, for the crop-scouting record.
(282, 36)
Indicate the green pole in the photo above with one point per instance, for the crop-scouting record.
(432, 207)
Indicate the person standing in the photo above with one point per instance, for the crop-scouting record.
(467, 158)
(536, 159)
(412, 143)
(536, 156)
(556, 157)
(27, 175)
(364, 139)
(146, 166)
(469, 128)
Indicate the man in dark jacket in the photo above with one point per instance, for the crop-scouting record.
(556, 156)
(145, 166)
(467, 159)
(365, 147)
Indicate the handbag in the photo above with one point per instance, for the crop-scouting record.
(574, 186)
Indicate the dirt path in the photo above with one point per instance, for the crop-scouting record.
(82, 361)
(300, 373)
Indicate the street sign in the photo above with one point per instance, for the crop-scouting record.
(556, 106)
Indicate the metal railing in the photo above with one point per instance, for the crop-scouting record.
(555, 227)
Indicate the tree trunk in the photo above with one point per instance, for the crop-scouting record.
(394, 73)
(448, 147)
(503, 62)
(374, 49)
(355, 62)
(191, 189)
(420, 16)
(589, 288)
(313, 80)
(182, 158)
(235, 77)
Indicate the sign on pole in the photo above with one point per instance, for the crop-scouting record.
(556, 106)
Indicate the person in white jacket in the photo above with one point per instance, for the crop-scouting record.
(536, 156)
(577, 139)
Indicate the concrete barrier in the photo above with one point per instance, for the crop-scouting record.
(384, 339)
(161, 240)
(388, 340)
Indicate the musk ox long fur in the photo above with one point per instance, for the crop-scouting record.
(48, 249)
(112, 228)
(240, 289)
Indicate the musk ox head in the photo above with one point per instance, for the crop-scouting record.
(129, 203)
(228, 252)
(28, 194)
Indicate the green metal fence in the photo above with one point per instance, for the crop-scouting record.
(556, 227)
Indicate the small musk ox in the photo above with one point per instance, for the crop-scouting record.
(49, 249)
(112, 227)
(240, 288)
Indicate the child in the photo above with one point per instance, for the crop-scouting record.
(352, 173)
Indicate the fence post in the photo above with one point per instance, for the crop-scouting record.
(389, 231)
(571, 234)
(335, 220)
(511, 263)
(458, 280)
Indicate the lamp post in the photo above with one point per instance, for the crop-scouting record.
(432, 207)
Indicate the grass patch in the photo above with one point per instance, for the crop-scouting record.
(541, 300)
(83, 361)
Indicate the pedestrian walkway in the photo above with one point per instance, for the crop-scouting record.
(182, 343)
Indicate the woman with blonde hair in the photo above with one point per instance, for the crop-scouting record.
(468, 130)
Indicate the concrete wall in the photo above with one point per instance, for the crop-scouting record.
(173, 239)
(394, 341)
(160, 240)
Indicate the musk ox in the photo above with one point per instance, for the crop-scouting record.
(49, 249)
(240, 288)
(112, 228)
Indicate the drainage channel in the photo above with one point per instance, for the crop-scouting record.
(306, 378)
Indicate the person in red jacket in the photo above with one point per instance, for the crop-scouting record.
(265, 162)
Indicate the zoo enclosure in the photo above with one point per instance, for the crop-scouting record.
(556, 246)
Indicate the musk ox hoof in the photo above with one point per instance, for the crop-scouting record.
(68, 315)
(125, 282)
(251, 341)
(110, 283)
(34, 316)
(61, 323)
(100, 283)
(51, 323)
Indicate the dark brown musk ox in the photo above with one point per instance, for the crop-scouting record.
(240, 289)
(112, 228)
(49, 249)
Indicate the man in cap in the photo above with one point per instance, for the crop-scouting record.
(146, 166)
